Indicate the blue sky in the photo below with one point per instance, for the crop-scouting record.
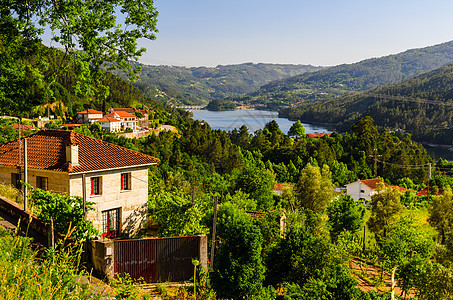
(317, 32)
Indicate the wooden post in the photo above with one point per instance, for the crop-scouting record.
(84, 196)
(211, 263)
(364, 238)
(50, 235)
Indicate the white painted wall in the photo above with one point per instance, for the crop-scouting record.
(358, 190)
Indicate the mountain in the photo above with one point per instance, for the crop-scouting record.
(422, 106)
(361, 76)
(199, 85)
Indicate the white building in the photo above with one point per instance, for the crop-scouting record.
(89, 116)
(110, 124)
(365, 189)
(128, 120)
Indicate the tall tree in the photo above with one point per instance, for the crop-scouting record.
(385, 209)
(441, 213)
(314, 189)
(297, 129)
(344, 215)
(92, 33)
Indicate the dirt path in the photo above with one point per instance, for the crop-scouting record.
(368, 274)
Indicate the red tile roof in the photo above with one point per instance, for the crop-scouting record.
(424, 192)
(316, 134)
(24, 126)
(121, 114)
(90, 111)
(72, 125)
(372, 183)
(126, 109)
(47, 151)
(108, 120)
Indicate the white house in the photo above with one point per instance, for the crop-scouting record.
(362, 189)
(110, 124)
(113, 177)
(128, 120)
(89, 116)
(365, 189)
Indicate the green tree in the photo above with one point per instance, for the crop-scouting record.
(256, 181)
(441, 213)
(385, 209)
(344, 215)
(92, 33)
(297, 129)
(64, 210)
(238, 268)
(314, 189)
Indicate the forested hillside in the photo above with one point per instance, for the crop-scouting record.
(199, 85)
(361, 76)
(41, 85)
(422, 106)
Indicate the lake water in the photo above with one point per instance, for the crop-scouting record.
(253, 119)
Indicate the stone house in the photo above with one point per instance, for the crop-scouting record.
(114, 178)
(89, 116)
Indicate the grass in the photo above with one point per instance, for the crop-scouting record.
(11, 193)
(51, 273)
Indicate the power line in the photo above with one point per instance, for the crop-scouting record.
(406, 99)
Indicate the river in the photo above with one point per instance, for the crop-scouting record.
(253, 119)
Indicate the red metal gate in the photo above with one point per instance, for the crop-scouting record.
(157, 259)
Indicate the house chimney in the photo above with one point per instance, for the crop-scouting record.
(72, 154)
(72, 150)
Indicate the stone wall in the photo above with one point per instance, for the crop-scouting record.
(56, 181)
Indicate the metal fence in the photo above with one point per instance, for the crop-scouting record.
(158, 259)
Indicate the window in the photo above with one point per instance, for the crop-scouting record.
(41, 183)
(111, 223)
(95, 185)
(125, 181)
(15, 180)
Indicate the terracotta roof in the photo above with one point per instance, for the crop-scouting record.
(90, 111)
(108, 120)
(126, 109)
(47, 151)
(399, 188)
(120, 114)
(424, 192)
(372, 183)
(316, 134)
(24, 126)
(72, 125)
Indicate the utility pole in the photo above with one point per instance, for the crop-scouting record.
(211, 263)
(375, 162)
